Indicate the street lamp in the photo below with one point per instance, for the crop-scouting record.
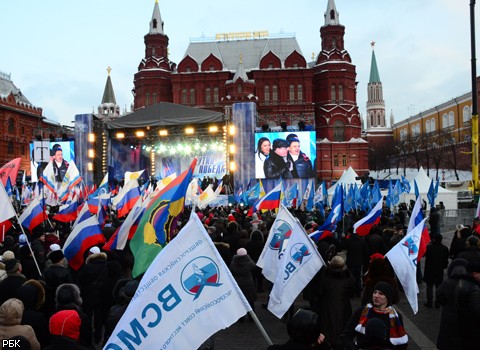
(476, 187)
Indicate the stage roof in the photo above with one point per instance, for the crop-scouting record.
(165, 114)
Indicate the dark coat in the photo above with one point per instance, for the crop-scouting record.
(449, 334)
(470, 254)
(241, 268)
(54, 275)
(62, 343)
(467, 296)
(275, 167)
(356, 250)
(336, 289)
(255, 245)
(436, 260)
(304, 167)
(224, 250)
(92, 278)
(10, 285)
(294, 345)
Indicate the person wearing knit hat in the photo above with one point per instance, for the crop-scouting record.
(356, 328)
(68, 298)
(65, 327)
(7, 255)
(242, 267)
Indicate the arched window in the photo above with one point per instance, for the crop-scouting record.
(154, 23)
(147, 99)
(467, 115)
(332, 93)
(340, 93)
(291, 93)
(266, 94)
(300, 93)
(275, 94)
(338, 131)
(192, 96)
(451, 119)
(154, 98)
(184, 97)
(427, 126)
(208, 97)
(215, 95)
(10, 147)
(153, 50)
(11, 125)
(239, 88)
(445, 121)
(432, 125)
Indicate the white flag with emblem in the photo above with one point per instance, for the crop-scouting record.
(186, 295)
(300, 263)
(280, 232)
(403, 258)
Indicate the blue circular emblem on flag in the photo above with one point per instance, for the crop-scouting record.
(298, 252)
(281, 232)
(199, 273)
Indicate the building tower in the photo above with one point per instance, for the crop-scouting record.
(377, 133)
(108, 109)
(152, 82)
(375, 102)
(337, 118)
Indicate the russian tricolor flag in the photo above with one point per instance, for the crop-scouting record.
(270, 201)
(67, 212)
(127, 198)
(83, 236)
(416, 218)
(93, 203)
(33, 215)
(363, 226)
(330, 225)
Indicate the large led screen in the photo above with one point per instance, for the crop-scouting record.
(68, 153)
(287, 155)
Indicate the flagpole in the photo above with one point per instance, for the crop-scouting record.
(29, 246)
(260, 327)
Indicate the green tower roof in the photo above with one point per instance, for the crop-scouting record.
(374, 75)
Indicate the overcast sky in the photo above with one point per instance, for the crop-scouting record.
(57, 51)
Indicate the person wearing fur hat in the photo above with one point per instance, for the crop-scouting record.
(467, 297)
(279, 163)
(354, 333)
(15, 278)
(32, 294)
(10, 323)
(55, 274)
(242, 267)
(336, 287)
(67, 297)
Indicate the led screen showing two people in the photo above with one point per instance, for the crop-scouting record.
(286, 155)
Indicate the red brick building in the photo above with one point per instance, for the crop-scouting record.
(271, 71)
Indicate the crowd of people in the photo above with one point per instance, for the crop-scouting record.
(51, 306)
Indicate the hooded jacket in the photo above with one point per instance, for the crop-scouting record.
(10, 318)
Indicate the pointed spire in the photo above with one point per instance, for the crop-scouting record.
(240, 73)
(156, 24)
(331, 15)
(374, 75)
(108, 94)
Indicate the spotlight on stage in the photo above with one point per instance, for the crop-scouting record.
(213, 128)
(189, 131)
(120, 135)
(140, 133)
(231, 130)
(163, 132)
